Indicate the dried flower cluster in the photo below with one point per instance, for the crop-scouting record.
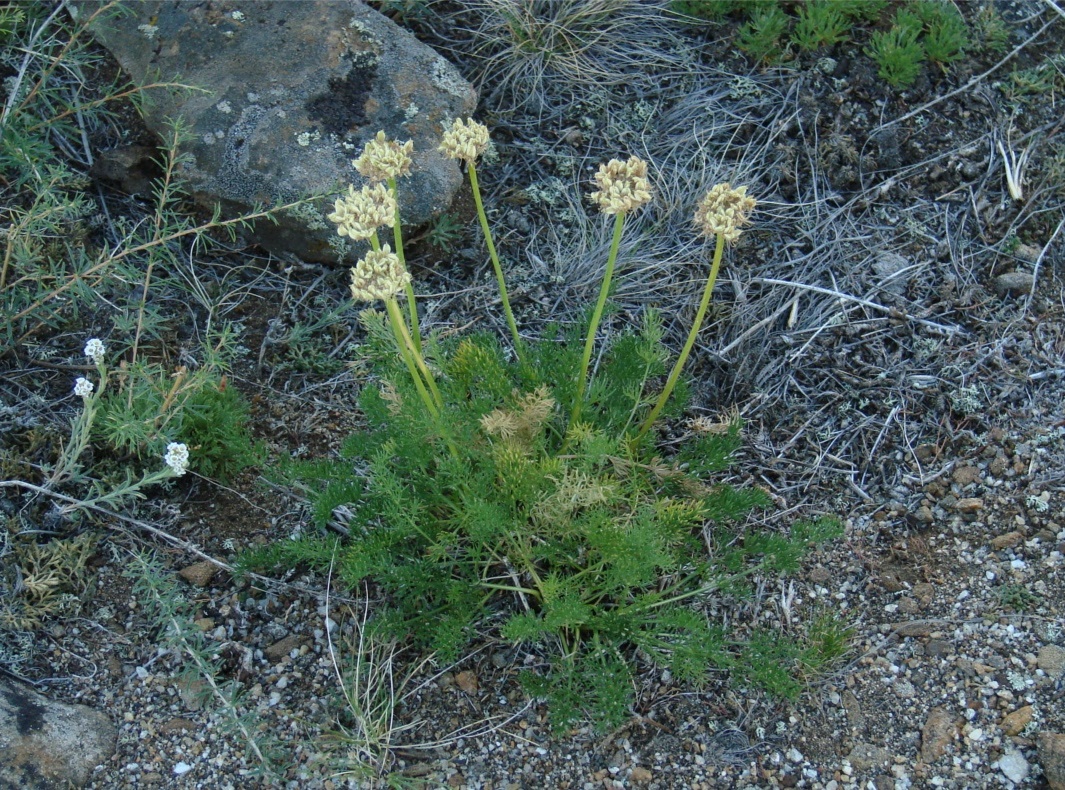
(360, 214)
(177, 458)
(465, 140)
(82, 387)
(382, 159)
(524, 421)
(623, 186)
(380, 275)
(94, 350)
(724, 211)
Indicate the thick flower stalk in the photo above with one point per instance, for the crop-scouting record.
(465, 142)
(722, 214)
(381, 276)
(623, 187)
(386, 160)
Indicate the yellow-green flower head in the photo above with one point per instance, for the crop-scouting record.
(379, 275)
(361, 213)
(724, 211)
(465, 140)
(382, 159)
(623, 186)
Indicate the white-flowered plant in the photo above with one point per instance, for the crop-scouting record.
(177, 458)
(94, 350)
(83, 387)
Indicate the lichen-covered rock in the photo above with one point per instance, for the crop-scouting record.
(46, 744)
(293, 91)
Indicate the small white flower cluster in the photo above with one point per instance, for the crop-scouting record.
(177, 458)
(94, 350)
(82, 387)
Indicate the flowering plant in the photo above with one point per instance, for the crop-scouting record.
(523, 490)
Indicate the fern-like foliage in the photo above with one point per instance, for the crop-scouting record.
(578, 538)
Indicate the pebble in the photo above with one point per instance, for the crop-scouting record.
(182, 768)
(1013, 766)
(1013, 284)
(1017, 720)
(937, 734)
(1051, 659)
(1051, 749)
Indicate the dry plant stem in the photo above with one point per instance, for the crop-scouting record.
(402, 339)
(697, 324)
(108, 258)
(472, 170)
(412, 305)
(604, 291)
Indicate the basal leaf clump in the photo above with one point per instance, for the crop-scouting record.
(513, 490)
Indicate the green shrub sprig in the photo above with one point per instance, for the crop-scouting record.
(514, 490)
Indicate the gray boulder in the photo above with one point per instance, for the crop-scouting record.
(47, 744)
(294, 91)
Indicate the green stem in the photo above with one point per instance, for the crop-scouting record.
(604, 291)
(671, 382)
(412, 306)
(399, 329)
(472, 170)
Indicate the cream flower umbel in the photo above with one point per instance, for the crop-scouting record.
(465, 140)
(380, 275)
(83, 387)
(383, 159)
(360, 214)
(724, 211)
(623, 186)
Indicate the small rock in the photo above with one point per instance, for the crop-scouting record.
(177, 724)
(467, 681)
(1007, 541)
(905, 689)
(866, 756)
(1051, 659)
(199, 574)
(204, 623)
(182, 768)
(936, 735)
(456, 780)
(964, 475)
(46, 744)
(1015, 721)
(1013, 284)
(853, 708)
(1013, 766)
(280, 649)
(938, 648)
(640, 774)
(925, 592)
(969, 505)
(1051, 749)
(918, 628)
(819, 575)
